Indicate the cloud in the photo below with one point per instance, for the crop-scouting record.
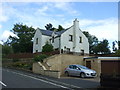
(5, 35)
(66, 6)
(42, 14)
(0, 26)
(42, 10)
(1, 42)
(102, 29)
(3, 18)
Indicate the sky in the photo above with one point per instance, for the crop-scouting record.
(98, 18)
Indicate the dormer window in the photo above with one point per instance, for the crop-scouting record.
(70, 37)
(36, 40)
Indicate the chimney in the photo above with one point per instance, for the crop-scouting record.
(76, 23)
(76, 27)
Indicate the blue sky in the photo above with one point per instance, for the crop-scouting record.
(98, 18)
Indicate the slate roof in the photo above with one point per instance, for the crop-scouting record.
(46, 32)
(49, 33)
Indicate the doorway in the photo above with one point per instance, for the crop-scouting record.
(88, 64)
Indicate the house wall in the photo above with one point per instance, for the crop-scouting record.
(75, 45)
(42, 39)
(56, 43)
(38, 35)
(65, 40)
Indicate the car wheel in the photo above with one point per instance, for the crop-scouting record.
(82, 75)
(66, 74)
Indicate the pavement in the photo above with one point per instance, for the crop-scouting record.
(22, 79)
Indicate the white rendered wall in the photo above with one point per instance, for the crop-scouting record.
(37, 46)
(56, 43)
(75, 46)
(65, 40)
(44, 40)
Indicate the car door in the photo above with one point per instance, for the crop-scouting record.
(71, 70)
(76, 70)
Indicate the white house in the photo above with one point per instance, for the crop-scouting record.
(69, 40)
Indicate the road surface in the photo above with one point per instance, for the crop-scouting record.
(20, 79)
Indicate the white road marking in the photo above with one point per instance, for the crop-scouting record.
(43, 80)
(3, 83)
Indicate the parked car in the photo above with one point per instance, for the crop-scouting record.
(79, 70)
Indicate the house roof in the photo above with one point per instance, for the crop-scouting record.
(49, 33)
(103, 58)
(46, 32)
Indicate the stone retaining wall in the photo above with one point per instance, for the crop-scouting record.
(37, 68)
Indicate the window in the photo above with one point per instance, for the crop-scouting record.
(80, 40)
(70, 37)
(68, 50)
(74, 67)
(36, 51)
(53, 39)
(82, 52)
(71, 66)
(36, 40)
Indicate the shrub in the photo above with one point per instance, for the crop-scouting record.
(15, 60)
(24, 65)
(47, 48)
(40, 58)
(117, 53)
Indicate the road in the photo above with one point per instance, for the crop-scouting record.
(20, 79)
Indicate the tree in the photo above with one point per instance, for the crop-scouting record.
(23, 41)
(119, 45)
(96, 46)
(113, 46)
(47, 47)
(102, 47)
(93, 41)
(6, 50)
(117, 52)
(49, 27)
(0, 50)
(60, 28)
